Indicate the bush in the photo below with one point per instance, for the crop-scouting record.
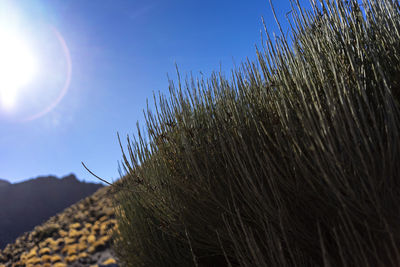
(293, 162)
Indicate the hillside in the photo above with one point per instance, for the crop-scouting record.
(78, 236)
(4, 182)
(27, 204)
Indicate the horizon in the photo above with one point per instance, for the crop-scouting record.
(97, 63)
(55, 177)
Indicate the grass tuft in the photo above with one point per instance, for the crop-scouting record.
(291, 162)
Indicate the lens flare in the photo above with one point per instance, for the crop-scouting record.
(17, 67)
(67, 82)
(35, 64)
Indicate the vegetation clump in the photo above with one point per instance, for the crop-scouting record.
(292, 162)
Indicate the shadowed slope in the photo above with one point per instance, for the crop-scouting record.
(4, 182)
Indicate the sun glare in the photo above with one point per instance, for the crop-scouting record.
(35, 62)
(17, 67)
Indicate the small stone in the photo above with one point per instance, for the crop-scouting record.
(109, 261)
(74, 233)
(103, 218)
(70, 249)
(34, 260)
(71, 258)
(32, 253)
(46, 258)
(83, 255)
(99, 245)
(62, 233)
(69, 240)
(55, 258)
(44, 251)
(75, 225)
(91, 239)
(81, 246)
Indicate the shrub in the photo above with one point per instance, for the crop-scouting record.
(292, 162)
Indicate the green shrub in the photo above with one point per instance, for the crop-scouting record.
(292, 162)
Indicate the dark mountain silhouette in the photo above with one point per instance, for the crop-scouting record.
(4, 182)
(27, 204)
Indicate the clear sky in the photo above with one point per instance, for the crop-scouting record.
(84, 69)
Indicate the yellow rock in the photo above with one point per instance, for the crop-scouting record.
(81, 246)
(63, 233)
(71, 258)
(109, 211)
(44, 251)
(57, 242)
(60, 264)
(34, 260)
(46, 264)
(91, 239)
(24, 256)
(96, 227)
(91, 249)
(88, 225)
(105, 239)
(109, 261)
(103, 228)
(77, 234)
(70, 249)
(83, 255)
(75, 225)
(83, 239)
(103, 218)
(101, 242)
(69, 240)
(107, 227)
(54, 247)
(55, 258)
(74, 233)
(32, 253)
(46, 258)
(96, 265)
(48, 240)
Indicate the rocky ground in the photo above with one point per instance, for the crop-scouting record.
(78, 236)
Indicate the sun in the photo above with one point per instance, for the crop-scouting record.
(17, 66)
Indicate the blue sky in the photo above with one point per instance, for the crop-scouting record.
(119, 52)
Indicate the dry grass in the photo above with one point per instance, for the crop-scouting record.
(292, 162)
